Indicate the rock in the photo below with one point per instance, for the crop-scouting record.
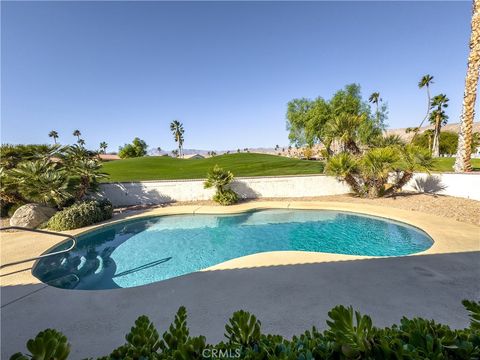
(31, 215)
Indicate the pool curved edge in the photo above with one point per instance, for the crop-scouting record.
(449, 236)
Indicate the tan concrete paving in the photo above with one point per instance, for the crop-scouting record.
(449, 236)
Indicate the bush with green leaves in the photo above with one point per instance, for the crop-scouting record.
(221, 179)
(81, 214)
(137, 148)
(349, 336)
(379, 171)
(50, 175)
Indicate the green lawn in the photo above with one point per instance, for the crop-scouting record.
(243, 164)
(446, 164)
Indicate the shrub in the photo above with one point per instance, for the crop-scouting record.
(137, 148)
(221, 179)
(225, 197)
(80, 215)
(370, 174)
(349, 335)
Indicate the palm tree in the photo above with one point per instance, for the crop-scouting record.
(343, 130)
(103, 147)
(424, 82)
(375, 99)
(77, 133)
(53, 134)
(81, 142)
(464, 149)
(438, 118)
(176, 127)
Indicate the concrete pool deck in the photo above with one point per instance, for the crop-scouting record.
(288, 291)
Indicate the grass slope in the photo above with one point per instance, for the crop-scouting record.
(243, 164)
(446, 164)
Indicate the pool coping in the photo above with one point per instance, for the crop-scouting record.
(449, 236)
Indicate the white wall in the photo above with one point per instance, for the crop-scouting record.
(157, 192)
(459, 185)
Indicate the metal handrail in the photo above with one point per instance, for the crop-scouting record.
(71, 237)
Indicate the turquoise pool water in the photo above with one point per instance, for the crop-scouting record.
(143, 251)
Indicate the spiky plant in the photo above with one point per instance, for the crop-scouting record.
(42, 181)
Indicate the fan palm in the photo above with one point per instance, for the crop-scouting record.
(41, 181)
(424, 82)
(464, 152)
(88, 171)
(176, 127)
(53, 134)
(103, 147)
(81, 142)
(345, 167)
(343, 129)
(438, 118)
(375, 99)
(77, 133)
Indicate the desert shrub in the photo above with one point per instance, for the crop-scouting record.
(350, 335)
(221, 179)
(81, 214)
(225, 197)
(379, 171)
(52, 175)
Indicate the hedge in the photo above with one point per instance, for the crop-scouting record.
(81, 214)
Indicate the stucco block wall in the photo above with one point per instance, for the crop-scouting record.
(459, 185)
(158, 192)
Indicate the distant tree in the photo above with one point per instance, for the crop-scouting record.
(77, 133)
(424, 82)
(411, 129)
(53, 134)
(276, 147)
(137, 148)
(438, 117)
(375, 99)
(159, 149)
(175, 153)
(81, 142)
(176, 127)
(238, 150)
(103, 147)
(310, 121)
(448, 141)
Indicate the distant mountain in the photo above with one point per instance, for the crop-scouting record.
(449, 127)
(261, 150)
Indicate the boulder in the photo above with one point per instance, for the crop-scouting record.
(31, 215)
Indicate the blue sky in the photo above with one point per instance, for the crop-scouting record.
(116, 70)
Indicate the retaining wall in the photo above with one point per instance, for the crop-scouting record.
(157, 192)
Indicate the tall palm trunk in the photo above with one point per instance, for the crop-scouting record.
(464, 152)
(429, 101)
(436, 136)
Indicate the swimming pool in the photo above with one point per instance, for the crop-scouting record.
(138, 252)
